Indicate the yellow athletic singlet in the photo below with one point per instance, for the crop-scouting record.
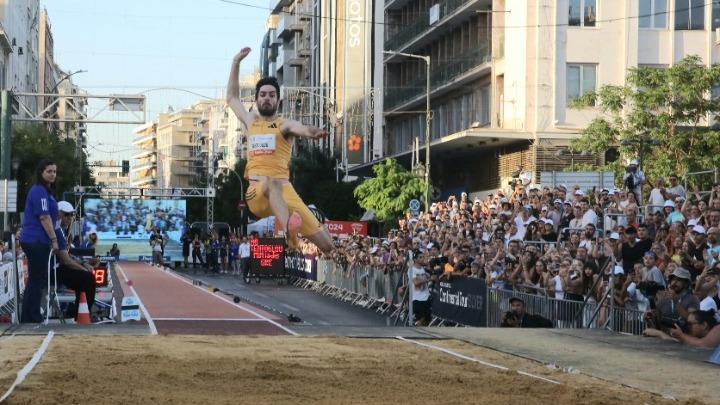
(267, 149)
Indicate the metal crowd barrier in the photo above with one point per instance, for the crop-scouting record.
(565, 314)
(362, 285)
(373, 288)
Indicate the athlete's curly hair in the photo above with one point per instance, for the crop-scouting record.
(265, 81)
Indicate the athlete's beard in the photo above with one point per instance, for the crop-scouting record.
(267, 110)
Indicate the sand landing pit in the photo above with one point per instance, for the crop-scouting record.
(288, 370)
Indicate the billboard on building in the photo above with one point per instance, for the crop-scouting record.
(356, 80)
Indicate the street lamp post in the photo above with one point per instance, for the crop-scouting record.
(225, 166)
(427, 119)
(65, 77)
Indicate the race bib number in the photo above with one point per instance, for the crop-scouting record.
(263, 144)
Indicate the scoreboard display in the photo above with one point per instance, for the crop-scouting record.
(267, 256)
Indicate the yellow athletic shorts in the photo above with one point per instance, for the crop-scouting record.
(260, 206)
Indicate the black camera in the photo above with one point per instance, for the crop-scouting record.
(650, 288)
(672, 322)
(511, 317)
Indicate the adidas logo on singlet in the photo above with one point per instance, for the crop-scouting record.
(273, 125)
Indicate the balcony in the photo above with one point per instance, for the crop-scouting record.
(144, 166)
(451, 12)
(304, 52)
(147, 153)
(144, 138)
(285, 26)
(296, 62)
(474, 63)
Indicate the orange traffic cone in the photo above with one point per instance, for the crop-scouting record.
(83, 313)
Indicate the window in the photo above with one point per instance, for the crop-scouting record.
(580, 80)
(689, 14)
(582, 13)
(716, 14)
(652, 14)
(484, 110)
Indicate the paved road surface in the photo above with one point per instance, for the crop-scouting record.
(314, 309)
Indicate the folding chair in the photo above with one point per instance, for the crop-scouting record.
(52, 296)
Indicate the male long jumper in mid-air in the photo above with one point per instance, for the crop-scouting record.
(270, 140)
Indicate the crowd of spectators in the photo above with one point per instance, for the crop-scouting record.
(571, 244)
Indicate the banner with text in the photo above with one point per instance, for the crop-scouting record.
(301, 266)
(346, 227)
(461, 300)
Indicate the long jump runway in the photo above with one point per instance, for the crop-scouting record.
(171, 304)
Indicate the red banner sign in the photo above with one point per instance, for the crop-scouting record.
(346, 227)
(337, 227)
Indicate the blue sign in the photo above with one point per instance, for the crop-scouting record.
(414, 205)
(148, 258)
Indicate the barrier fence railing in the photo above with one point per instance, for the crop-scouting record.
(373, 287)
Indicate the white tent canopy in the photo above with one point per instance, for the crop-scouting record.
(262, 226)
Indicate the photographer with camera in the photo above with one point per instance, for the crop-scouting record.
(518, 318)
(701, 329)
(674, 305)
(633, 179)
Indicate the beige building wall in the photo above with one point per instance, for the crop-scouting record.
(108, 173)
(143, 167)
(176, 137)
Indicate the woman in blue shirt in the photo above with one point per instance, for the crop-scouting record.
(38, 238)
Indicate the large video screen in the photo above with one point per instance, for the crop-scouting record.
(133, 219)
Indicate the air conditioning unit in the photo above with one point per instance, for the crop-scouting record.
(717, 36)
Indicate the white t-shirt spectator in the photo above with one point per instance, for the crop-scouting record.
(244, 250)
(420, 292)
(589, 217)
(656, 200)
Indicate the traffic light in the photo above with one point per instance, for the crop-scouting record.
(125, 167)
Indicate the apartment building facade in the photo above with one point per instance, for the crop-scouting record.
(502, 74)
(108, 173)
(144, 164)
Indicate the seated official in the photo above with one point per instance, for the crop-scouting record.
(702, 329)
(72, 272)
(518, 318)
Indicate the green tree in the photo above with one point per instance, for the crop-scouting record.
(229, 194)
(313, 175)
(33, 142)
(668, 106)
(390, 191)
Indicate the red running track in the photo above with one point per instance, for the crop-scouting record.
(171, 304)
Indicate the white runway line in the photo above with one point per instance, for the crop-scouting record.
(151, 324)
(248, 310)
(462, 356)
(29, 366)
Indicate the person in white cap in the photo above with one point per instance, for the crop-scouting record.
(633, 179)
(696, 250)
(548, 233)
(72, 272)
